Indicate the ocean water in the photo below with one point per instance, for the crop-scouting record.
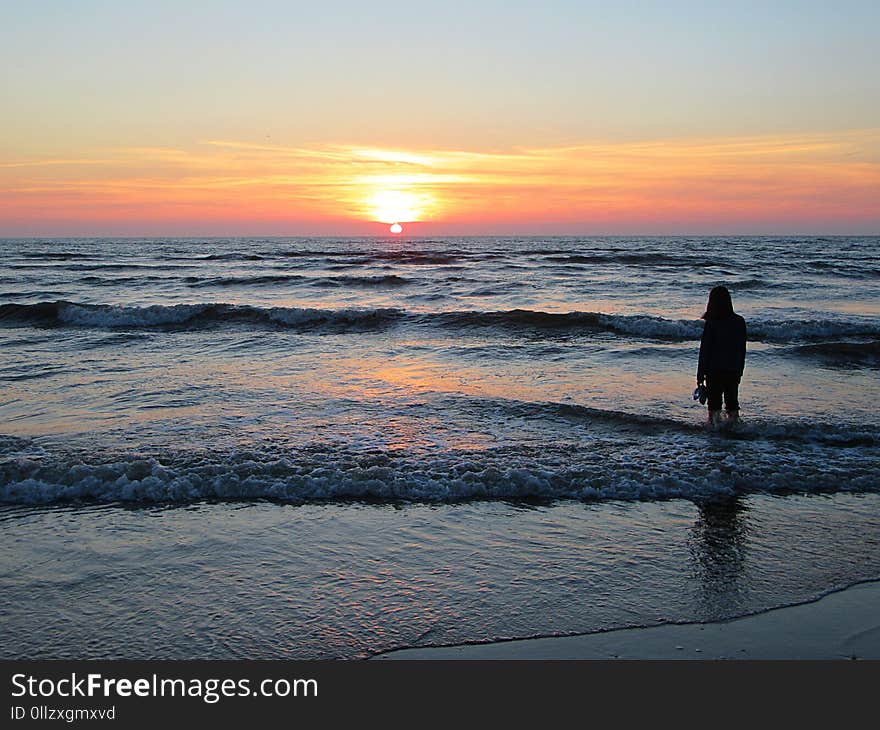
(332, 447)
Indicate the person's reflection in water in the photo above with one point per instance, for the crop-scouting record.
(718, 545)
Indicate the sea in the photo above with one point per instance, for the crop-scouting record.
(333, 447)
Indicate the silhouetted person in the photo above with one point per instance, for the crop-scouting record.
(722, 354)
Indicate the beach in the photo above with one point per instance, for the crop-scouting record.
(842, 625)
(313, 448)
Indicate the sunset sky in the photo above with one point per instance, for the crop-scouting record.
(288, 118)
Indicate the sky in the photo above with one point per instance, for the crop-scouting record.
(342, 117)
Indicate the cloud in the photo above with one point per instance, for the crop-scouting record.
(808, 177)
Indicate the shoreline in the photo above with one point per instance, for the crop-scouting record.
(843, 624)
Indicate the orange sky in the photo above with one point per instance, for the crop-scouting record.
(334, 118)
(739, 184)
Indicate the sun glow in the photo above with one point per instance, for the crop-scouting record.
(396, 228)
(395, 206)
(757, 182)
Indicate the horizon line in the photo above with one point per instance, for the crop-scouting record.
(58, 237)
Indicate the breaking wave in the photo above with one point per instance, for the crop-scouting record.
(106, 316)
(593, 471)
(64, 313)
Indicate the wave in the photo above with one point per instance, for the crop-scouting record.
(847, 269)
(668, 468)
(380, 280)
(646, 259)
(753, 429)
(54, 255)
(660, 328)
(401, 256)
(319, 281)
(745, 285)
(501, 290)
(123, 267)
(417, 258)
(106, 316)
(233, 256)
(643, 326)
(844, 353)
(295, 254)
(811, 329)
(65, 313)
(33, 294)
(198, 281)
(115, 281)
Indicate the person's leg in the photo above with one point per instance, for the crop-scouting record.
(715, 388)
(731, 397)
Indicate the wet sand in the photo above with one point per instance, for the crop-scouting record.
(841, 625)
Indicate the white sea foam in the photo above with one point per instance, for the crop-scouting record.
(674, 468)
(652, 327)
(118, 316)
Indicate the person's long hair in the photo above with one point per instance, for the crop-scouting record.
(720, 305)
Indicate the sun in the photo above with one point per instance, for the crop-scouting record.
(396, 228)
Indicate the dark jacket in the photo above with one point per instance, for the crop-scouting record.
(723, 347)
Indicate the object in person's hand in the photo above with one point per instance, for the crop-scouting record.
(701, 394)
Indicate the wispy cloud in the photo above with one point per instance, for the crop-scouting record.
(760, 178)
